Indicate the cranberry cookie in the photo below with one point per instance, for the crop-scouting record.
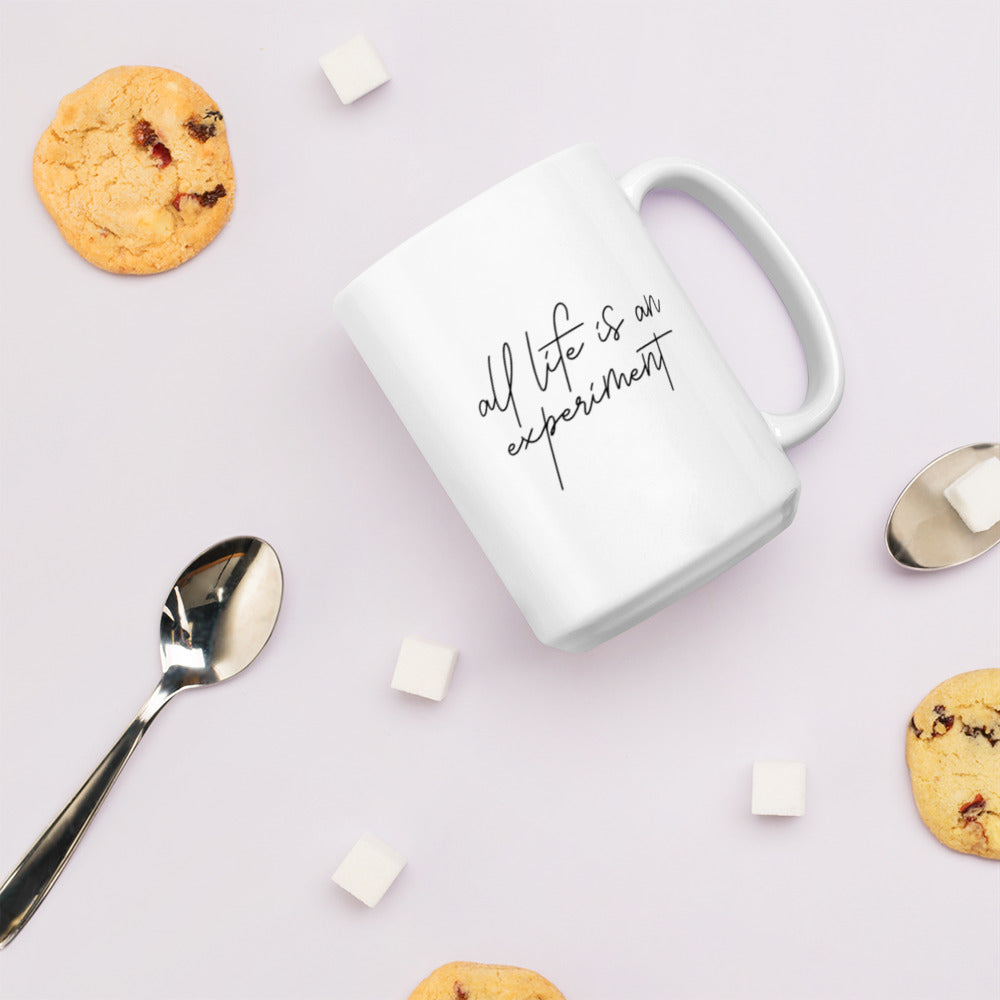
(472, 981)
(953, 752)
(135, 170)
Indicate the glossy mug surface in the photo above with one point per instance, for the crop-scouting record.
(570, 401)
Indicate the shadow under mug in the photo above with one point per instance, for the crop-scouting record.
(559, 383)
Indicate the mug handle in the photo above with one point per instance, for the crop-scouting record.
(824, 365)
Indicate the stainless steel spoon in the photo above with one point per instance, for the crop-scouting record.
(215, 621)
(924, 530)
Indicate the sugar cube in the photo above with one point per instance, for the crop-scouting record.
(369, 869)
(354, 69)
(424, 668)
(779, 788)
(976, 495)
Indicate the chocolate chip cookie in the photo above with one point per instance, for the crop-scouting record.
(135, 170)
(953, 752)
(473, 981)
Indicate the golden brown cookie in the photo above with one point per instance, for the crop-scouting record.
(472, 981)
(953, 752)
(135, 170)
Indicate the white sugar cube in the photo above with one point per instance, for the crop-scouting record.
(976, 495)
(779, 788)
(369, 869)
(424, 668)
(354, 69)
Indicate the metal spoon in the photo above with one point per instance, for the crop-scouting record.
(924, 530)
(215, 621)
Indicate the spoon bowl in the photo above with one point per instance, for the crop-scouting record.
(221, 611)
(216, 619)
(924, 531)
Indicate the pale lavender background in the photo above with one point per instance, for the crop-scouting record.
(584, 815)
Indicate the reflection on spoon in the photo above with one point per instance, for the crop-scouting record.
(924, 530)
(215, 621)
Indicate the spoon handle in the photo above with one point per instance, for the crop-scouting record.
(31, 880)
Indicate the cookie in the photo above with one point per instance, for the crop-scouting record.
(472, 981)
(135, 170)
(953, 752)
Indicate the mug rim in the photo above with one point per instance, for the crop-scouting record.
(482, 195)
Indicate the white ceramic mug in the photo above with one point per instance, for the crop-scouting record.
(575, 409)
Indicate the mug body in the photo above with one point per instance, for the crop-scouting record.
(570, 401)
